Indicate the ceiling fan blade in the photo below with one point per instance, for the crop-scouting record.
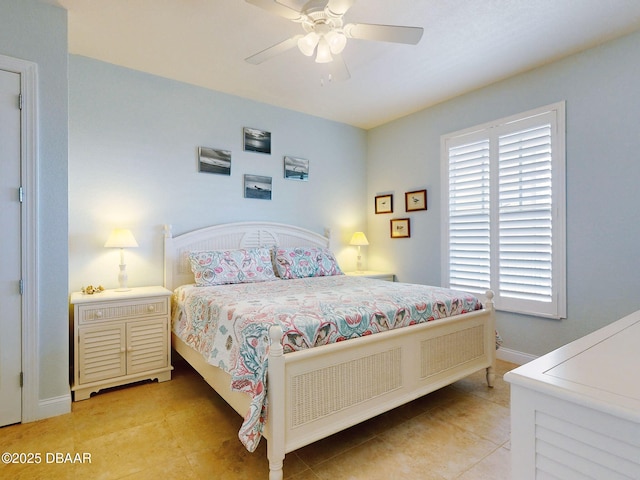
(338, 69)
(339, 7)
(276, 8)
(274, 50)
(384, 33)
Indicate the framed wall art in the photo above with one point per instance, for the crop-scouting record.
(400, 228)
(257, 186)
(296, 168)
(384, 204)
(257, 140)
(415, 200)
(213, 160)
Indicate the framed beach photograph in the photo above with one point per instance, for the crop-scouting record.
(257, 186)
(415, 201)
(296, 168)
(257, 140)
(213, 160)
(384, 204)
(400, 228)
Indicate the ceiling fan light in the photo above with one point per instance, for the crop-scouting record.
(337, 42)
(307, 44)
(324, 52)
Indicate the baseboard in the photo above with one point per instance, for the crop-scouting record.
(513, 356)
(52, 407)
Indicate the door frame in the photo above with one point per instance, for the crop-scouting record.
(28, 72)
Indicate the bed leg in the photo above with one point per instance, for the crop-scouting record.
(491, 376)
(490, 307)
(275, 471)
(276, 396)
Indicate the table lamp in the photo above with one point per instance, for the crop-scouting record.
(359, 238)
(121, 238)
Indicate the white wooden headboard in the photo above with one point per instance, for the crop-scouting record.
(177, 270)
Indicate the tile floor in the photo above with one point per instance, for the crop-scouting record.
(182, 430)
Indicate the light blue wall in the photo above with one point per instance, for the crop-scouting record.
(600, 87)
(133, 163)
(37, 33)
(132, 141)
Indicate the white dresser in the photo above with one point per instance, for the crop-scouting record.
(575, 412)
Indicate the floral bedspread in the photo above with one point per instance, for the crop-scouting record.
(229, 324)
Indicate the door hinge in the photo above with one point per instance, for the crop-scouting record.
(21, 286)
(20, 194)
(21, 379)
(20, 101)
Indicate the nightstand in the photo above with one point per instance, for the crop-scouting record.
(389, 277)
(119, 338)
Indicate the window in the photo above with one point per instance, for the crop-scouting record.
(504, 211)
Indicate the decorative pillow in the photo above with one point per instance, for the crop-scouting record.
(301, 262)
(218, 267)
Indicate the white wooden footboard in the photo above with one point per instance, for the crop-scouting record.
(317, 392)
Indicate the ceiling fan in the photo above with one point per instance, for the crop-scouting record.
(326, 34)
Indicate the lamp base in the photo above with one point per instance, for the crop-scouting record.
(122, 279)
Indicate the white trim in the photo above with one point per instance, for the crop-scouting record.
(54, 406)
(28, 72)
(513, 356)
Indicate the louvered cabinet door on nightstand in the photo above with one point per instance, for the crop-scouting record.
(100, 353)
(119, 338)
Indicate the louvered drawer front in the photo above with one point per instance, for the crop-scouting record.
(147, 345)
(101, 312)
(101, 353)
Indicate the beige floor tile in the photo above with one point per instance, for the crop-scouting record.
(307, 474)
(438, 446)
(197, 430)
(181, 429)
(130, 451)
(176, 468)
(41, 471)
(329, 447)
(29, 437)
(485, 419)
(492, 467)
(116, 410)
(476, 384)
(375, 460)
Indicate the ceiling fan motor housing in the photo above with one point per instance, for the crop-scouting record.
(320, 22)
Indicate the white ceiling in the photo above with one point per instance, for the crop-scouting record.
(466, 44)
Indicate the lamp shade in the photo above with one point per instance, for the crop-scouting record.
(359, 238)
(121, 238)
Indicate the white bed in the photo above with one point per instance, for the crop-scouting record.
(394, 367)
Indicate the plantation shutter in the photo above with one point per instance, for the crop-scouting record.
(469, 217)
(525, 214)
(504, 212)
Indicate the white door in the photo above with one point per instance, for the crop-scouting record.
(10, 251)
